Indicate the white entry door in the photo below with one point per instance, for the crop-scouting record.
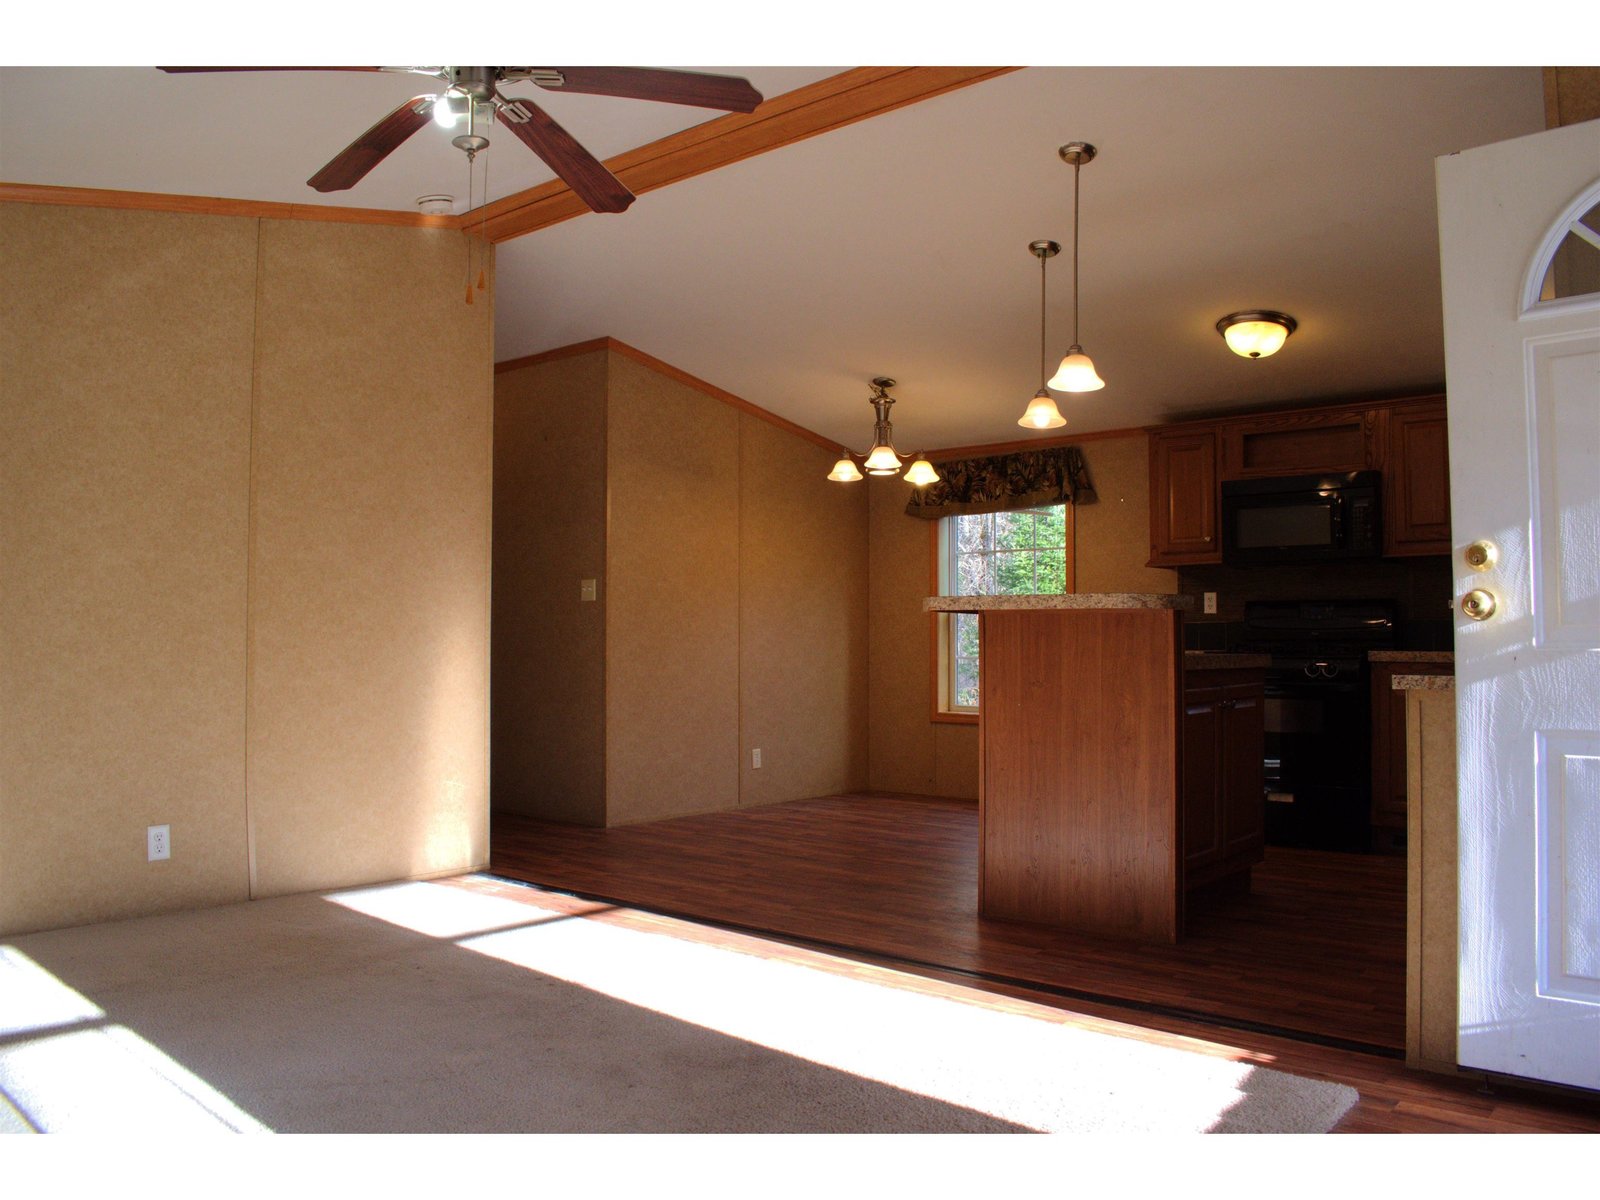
(1522, 354)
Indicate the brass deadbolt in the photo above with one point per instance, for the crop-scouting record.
(1478, 604)
(1480, 556)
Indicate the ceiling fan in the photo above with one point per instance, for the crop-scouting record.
(474, 93)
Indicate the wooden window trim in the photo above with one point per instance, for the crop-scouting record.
(937, 639)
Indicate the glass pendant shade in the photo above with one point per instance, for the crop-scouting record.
(844, 471)
(1257, 334)
(883, 461)
(1076, 373)
(1042, 413)
(921, 473)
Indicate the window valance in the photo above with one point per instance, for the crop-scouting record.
(1027, 479)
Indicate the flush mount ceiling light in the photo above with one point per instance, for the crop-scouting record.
(1076, 372)
(1042, 412)
(883, 459)
(1256, 334)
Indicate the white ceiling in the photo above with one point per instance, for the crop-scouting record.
(899, 245)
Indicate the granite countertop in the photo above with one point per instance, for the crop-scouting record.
(1070, 600)
(1206, 660)
(1417, 656)
(1423, 683)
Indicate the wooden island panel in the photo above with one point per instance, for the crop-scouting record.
(1080, 826)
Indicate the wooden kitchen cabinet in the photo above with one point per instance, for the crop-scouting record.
(1416, 494)
(1184, 498)
(1405, 440)
(1223, 743)
(1300, 442)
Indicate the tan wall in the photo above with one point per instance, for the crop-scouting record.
(146, 599)
(733, 612)
(369, 591)
(1113, 535)
(548, 698)
(672, 613)
(803, 572)
(125, 363)
(910, 752)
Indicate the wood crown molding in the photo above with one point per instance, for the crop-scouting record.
(217, 206)
(671, 372)
(828, 104)
(831, 103)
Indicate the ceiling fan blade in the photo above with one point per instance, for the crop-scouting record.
(581, 171)
(353, 162)
(728, 92)
(195, 70)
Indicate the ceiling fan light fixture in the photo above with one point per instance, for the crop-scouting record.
(1076, 373)
(447, 107)
(1256, 334)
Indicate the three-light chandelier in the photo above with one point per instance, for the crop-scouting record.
(883, 458)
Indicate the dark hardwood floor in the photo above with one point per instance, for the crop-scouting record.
(1315, 950)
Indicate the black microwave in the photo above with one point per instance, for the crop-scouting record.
(1301, 518)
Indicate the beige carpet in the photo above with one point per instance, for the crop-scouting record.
(423, 1008)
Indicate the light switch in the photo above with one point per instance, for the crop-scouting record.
(588, 589)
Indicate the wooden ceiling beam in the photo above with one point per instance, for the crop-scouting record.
(828, 104)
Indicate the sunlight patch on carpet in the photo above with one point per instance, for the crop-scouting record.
(1036, 1072)
(109, 1080)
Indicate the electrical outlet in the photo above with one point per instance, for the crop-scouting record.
(158, 843)
(588, 589)
(755, 758)
(1210, 602)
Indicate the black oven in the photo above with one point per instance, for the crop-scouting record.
(1318, 716)
(1300, 518)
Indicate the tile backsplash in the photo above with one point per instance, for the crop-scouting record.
(1419, 588)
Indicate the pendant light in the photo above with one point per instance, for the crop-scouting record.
(1042, 412)
(883, 458)
(1076, 372)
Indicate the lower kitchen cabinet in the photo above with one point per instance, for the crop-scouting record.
(1223, 801)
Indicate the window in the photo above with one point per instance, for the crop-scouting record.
(1021, 553)
(1569, 262)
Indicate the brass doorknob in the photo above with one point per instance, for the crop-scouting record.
(1478, 604)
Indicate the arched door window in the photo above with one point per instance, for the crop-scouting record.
(1568, 265)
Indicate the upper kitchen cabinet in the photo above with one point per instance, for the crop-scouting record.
(1183, 498)
(1416, 496)
(1299, 443)
(1404, 440)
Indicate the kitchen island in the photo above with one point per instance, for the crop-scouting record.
(1081, 760)
(1117, 772)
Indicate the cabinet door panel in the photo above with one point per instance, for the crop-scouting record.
(1243, 743)
(1202, 818)
(1183, 499)
(1296, 443)
(1417, 492)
